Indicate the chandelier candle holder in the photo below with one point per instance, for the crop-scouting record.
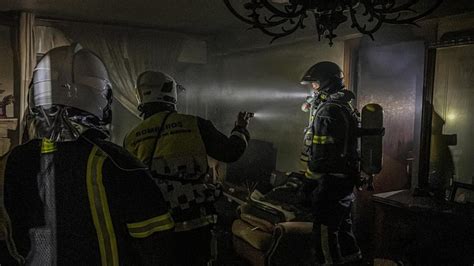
(280, 18)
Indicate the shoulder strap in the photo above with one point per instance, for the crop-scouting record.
(158, 136)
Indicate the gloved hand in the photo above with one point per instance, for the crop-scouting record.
(243, 119)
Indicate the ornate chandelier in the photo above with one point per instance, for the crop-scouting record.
(279, 18)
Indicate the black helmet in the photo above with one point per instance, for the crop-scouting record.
(328, 74)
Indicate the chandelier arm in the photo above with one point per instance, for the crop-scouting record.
(284, 32)
(363, 29)
(411, 20)
(275, 23)
(395, 9)
(298, 24)
(268, 24)
(280, 13)
(237, 14)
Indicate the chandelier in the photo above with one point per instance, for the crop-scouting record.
(280, 18)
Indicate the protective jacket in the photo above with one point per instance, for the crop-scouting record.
(81, 202)
(334, 139)
(175, 147)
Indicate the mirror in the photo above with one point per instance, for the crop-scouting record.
(451, 147)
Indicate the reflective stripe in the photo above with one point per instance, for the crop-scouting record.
(325, 244)
(240, 135)
(150, 226)
(310, 175)
(195, 223)
(100, 208)
(48, 146)
(304, 157)
(323, 140)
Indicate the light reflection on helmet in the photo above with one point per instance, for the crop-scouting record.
(327, 74)
(70, 91)
(73, 77)
(156, 87)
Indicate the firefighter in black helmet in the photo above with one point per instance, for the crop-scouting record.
(332, 164)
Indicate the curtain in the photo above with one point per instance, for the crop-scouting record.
(127, 52)
(27, 60)
(47, 38)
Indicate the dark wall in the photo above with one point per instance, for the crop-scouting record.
(263, 81)
(390, 73)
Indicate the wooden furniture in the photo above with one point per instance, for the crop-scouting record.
(423, 231)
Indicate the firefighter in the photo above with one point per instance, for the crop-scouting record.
(175, 147)
(332, 166)
(69, 196)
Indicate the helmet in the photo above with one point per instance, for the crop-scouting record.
(156, 87)
(73, 77)
(328, 74)
(69, 93)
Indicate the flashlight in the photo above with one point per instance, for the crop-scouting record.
(250, 114)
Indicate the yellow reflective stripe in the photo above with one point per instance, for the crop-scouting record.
(304, 157)
(150, 226)
(100, 209)
(325, 245)
(48, 146)
(160, 218)
(147, 231)
(323, 139)
(310, 175)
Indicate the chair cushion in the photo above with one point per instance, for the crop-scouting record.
(251, 234)
(262, 224)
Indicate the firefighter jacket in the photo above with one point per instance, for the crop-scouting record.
(334, 139)
(77, 203)
(175, 147)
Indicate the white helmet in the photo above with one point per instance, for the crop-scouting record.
(74, 77)
(156, 87)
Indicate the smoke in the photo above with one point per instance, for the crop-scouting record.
(268, 95)
(261, 95)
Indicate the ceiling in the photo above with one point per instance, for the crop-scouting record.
(206, 17)
(190, 16)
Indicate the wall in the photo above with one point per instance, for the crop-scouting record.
(390, 73)
(8, 124)
(392, 76)
(264, 81)
(6, 67)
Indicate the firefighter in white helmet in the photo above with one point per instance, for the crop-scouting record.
(175, 147)
(68, 196)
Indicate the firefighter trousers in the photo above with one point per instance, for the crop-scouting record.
(334, 241)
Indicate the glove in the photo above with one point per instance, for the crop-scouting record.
(243, 119)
